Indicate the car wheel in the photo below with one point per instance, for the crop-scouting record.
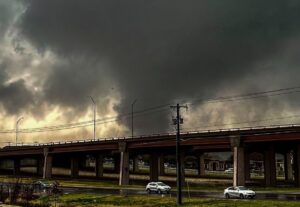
(159, 191)
(227, 196)
(148, 191)
(241, 196)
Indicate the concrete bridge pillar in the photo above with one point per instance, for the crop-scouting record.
(288, 168)
(74, 166)
(99, 166)
(270, 166)
(17, 166)
(238, 161)
(124, 164)
(201, 165)
(161, 161)
(154, 170)
(40, 166)
(47, 173)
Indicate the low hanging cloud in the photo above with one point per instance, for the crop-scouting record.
(162, 51)
(15, 96)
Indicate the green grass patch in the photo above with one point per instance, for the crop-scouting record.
(93, 200)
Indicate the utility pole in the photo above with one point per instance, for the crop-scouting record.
(17, 129)
(94, 107)
(132, 105)
(177, 122)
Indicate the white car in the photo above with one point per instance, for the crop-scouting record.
(239, 192)
(229, 170)
(158, 187)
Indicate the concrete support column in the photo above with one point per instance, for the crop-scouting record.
(154, 167)
(99, 166)
(238, 161)
(296, 164)
(238, 166)
(124, 164)
(247, 165)
(270, 166)
(40, 166)
(201, 165)
(17, 166)
(47, 172)
(74, 166)
(288, 168)
(161, 162)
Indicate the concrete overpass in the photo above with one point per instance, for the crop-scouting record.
(241, 142)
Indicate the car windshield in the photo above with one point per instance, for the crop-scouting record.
(161, 184)
(243, 188)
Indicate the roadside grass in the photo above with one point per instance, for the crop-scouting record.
(93, 200)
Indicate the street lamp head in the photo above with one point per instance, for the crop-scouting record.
(135, 100)
(92, 99)
(19, 119)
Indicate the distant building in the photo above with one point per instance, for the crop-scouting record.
(217, 165)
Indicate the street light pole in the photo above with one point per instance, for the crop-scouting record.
(17, 129)
(94, 106)
(132, 116)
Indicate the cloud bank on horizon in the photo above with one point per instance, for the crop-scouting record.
(53, 54)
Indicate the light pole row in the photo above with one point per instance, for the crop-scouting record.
(95, 117)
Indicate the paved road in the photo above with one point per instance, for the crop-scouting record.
(259, 195)
(292, 196)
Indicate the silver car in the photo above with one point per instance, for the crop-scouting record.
(239, 192)
(158, 187)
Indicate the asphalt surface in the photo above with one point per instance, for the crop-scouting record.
(290, 196)
(192, 194)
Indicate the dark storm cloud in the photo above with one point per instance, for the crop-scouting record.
(158, 50)
(14, 96)
(6, 16)
(72, 80)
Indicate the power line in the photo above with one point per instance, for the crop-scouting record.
(173, 133)
(263, 94)
(244, 122)
(87, 123)
(240, 97)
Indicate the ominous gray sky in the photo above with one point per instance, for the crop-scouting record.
(54, 53)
